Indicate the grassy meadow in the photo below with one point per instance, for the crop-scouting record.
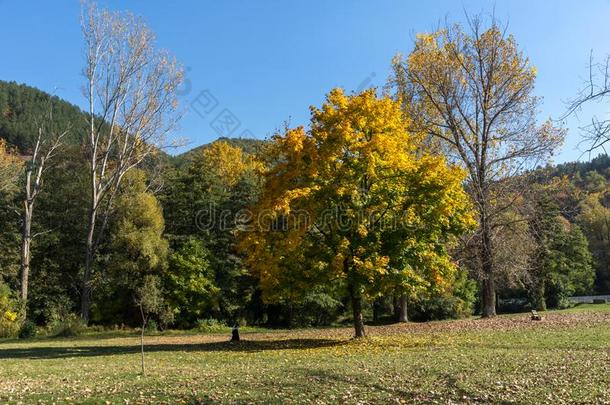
(510, 359)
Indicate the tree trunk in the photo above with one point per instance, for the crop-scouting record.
(488, 295)
(356, 299)
(86, 287)
(290, 320)
(538, 300)
(377, 308)
(142, 347)
(144, 319)
(395, 306)
(35, 168)
(488, 298)
(26, 241)
(402, 308)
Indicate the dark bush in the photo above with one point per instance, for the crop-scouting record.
(28, 330)
(437, 307)
(152, 326)
(513, 305)
(70, 326)
(316, 309)
(454, 304)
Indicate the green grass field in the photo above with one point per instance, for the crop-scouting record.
(509, 359)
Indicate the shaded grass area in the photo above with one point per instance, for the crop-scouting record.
(55, 352)
(565, 358)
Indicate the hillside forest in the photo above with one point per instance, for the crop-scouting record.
(433, 197)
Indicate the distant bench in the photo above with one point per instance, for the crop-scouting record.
(589, 299)
(536, 316)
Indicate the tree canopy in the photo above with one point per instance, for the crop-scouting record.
(353, 200)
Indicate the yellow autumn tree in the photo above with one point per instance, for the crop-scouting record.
(354, 200)
(226, 162)
(471, 91)
(10, 166)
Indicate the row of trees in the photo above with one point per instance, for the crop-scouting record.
(385, 202)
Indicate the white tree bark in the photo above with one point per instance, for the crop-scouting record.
(44, 150)
(131, 91)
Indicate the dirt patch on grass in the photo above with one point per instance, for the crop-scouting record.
(300, 338)
(550, 320)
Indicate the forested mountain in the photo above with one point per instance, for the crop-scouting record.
(577, 170)
(249, 146)
(183, 191)
(180, 221)
(22, 108)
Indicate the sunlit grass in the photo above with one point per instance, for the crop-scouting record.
(510, 359)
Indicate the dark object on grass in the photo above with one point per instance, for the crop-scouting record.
(536, 316)
(599, 300)
(235, 334)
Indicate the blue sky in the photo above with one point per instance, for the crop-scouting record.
(265, 62)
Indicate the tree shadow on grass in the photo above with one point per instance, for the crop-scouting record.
(250, 346)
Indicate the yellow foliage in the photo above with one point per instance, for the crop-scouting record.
(228, 162)
(10, 316)
(10, 165)
(359, 198)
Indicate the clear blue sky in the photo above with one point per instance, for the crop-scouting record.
(265, 62)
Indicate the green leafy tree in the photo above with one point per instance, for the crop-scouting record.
(455, 302)
(136, 248)
(9, 239)
(595, 221)
(10, 319)
(571, 267)
(203, 200)
(190, 282)
(545, 228)
(561, 263)
(57, 253)
(138, 236)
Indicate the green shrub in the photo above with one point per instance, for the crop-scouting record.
(70, 326)
(558, 291)
(211, 326)
(10, 320)
(454, 304)
(437, 307)
(28, 330)
(152, 326)
(317, 309)
(97, 328)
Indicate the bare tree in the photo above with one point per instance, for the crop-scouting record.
(149, 300)
(595, 90)
(472, 93)
(47, 143)
(131, 93)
